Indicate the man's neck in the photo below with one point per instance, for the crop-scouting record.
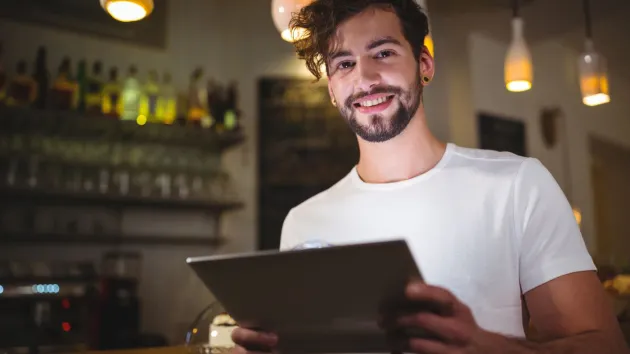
(410, 154)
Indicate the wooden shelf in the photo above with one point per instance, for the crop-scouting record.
(81, 240)
(79, 126)
(15, 196)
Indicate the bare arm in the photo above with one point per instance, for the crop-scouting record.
(571, 313)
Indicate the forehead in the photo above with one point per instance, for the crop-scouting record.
(374, 22)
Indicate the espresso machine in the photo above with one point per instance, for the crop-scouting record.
(64, 307)
(46, 307)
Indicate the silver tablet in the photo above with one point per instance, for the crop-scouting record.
(318, 300)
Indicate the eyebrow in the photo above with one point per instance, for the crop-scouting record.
(373, 44)
(379, 42)
(340, 53)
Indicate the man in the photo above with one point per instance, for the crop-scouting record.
(488, 229)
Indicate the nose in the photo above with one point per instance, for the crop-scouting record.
(368, 75)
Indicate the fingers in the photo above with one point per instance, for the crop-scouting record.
(421, 292)
(426, 346)
(437, 323)
(449, 329)
(254, 341)
(420, 345)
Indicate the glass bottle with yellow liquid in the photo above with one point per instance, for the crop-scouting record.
(131, 94)
(111, 102)
(22, 90)
(64, 93)
(167, 106)
(149, 99)
(198, 113)
(231, 114)
(94, 89)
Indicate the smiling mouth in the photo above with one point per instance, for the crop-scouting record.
(374, 102)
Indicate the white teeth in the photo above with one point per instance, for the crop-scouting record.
(371, 103)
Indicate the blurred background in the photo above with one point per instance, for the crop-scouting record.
(137, 133)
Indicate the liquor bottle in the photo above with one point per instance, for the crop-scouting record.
(3, 79)
(131, 93)
(64, 93)
(81, 85)
(112, 102)
(231, 114)
(167, 112)
(42, 77)
(150, 97)
(94, 91)
(215, 103)
(198, 113)
(22, 90)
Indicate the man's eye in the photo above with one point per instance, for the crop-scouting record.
(345, 65)
(384, 54)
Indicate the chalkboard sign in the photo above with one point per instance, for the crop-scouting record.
(305, 146)
(501, 134)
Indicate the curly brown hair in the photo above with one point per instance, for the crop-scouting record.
(321, 18)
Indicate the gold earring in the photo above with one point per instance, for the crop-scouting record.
(426, 79)
(334, 102)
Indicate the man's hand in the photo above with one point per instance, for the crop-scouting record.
(253, 342)
(452, 325)
(452, 328)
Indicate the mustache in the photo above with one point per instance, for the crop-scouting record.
(378, 89)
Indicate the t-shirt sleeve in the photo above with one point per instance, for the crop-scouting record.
(551, 244)
(288, 237)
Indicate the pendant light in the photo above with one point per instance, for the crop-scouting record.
(281, 12)
(128, 10)
(518, 62)
(428, 40)
(592, 66)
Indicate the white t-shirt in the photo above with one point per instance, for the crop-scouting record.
(486, 225)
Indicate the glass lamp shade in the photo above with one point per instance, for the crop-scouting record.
(428, 42)
(128, 10)
(577, 213)
(593, 77)
(518, 62)
(281, 12)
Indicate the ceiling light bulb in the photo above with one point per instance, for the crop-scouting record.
(518, 62)
(128, 10)
(593, 76)
(281, 12)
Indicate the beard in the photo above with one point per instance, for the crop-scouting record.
(381, 128)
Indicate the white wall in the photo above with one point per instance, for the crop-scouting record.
(555, 85)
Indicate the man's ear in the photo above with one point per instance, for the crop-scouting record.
(427, 66)
(332, 95)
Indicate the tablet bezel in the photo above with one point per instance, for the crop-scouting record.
(313, 312)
